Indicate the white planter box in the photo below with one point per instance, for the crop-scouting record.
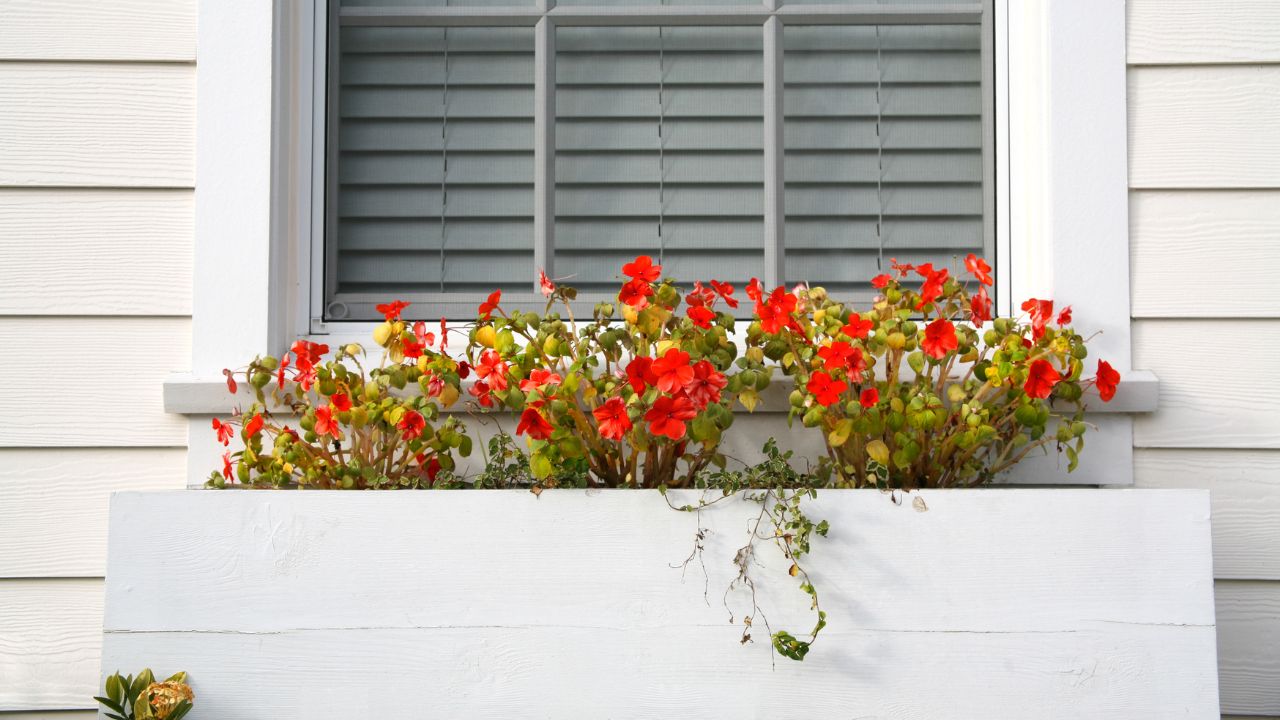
(999, 603)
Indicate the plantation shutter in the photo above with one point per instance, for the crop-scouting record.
(659, 148)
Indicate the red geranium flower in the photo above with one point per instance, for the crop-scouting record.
(836, 355)
(254, 426)
(613, 419)
(309, 353)
(411, 348)
(636, 293)
(1064, 317)
(776, 311)
(672, 370)
(341, 401)
(857, 328)
(492, 370)
(701, 316)
(933, 284)
(481, 390)
(825, 390)
(425, 338)
(538, 378)
(545, 286)
(305, 377)
(444, 335)
(979, 269)
(725, 291)
(1106, 381)
(226, 465)
(534, 425)
(705, 386)
(412, 424)
(902, 269)
(980, 307)
(488, 306)
(231, 381)
(1041, 311)
(754, 291)
(880, 281)
(1041, 378)
(668, 415)
(391, 311)
(326, 423)
(869, 397)
(643, 269)
(284, 363)
(640, 373)
(939, 339)
(224, 430)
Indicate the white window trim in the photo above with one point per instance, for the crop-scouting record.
(1063, 191)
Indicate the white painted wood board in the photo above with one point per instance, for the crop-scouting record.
(75, 251)
(50, 640)
(1248, 636)
(97, 124)
(1214, 126)
(1198, 254)
(53, 504)
(115, 399)
(1194, 31)
(120, 30)
(1217, 387)
(1244, 487)
(1055, 603)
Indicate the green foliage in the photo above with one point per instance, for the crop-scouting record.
(127, 697)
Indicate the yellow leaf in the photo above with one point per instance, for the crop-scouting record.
(878, 451)
(486, 336)
(794, 571)
(749, 399)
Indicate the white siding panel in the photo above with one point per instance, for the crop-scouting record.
(90, 382)
(1248, 639)
(1218, 384)
(1205, 254)
(53, 504)
(95, 252)
(1204, 127)
(1245, 489)
(155, 30)
(1195, 31)
(50, 643)
(52, 715)
(77, 124)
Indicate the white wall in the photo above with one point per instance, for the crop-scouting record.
(97, 114)
(1204, 173)
(96, 172)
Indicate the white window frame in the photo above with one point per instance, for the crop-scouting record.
(1061, 217)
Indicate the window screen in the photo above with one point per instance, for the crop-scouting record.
(656, 125)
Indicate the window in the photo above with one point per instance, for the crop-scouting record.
(468, 145)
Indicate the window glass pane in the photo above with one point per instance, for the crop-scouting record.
(883, 149)
(658, 136)
(435, 161)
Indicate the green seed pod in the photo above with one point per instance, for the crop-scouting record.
(269, 363)
(909, 328)
(916, 361)
(813, 417)
(1028, 415)
(260, 379)
(796, 398)
(327, 387)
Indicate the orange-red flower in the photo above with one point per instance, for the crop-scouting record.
(231, 381)
(840, 355)
(341, 401)
(636, 293)
(825, 390)
(1041, 377)
(411, 348)
(444, 335)
(980, 307)
(412, 424)
(391, 311)
(979, 269)
(879, 282)
(423, 337)
(254, 426)
(226, 465)
(668, 415)
(284, 363)
(640, 373)
(755, 292)
(934, 281)
(309, 353)
(545, 286)
(1064, 317)
(326, 423)
(939, 339)
(869, 397)
(1106, 381)
(487, 307)
(701, 316)
(903, 269)
(534, 425)
(539, 378)
(642, 268)
(1041, 312)
(705, 386)
(480, 389)
(492, 370)
(224, 430)
(725, 291)
(775, 313)
(672, 370)
(857, 328)
(613, 419)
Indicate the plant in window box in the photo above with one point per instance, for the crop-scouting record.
(638, 403)
(357, 427)
(927, 389)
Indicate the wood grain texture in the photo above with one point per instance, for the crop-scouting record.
(1186, 246)
(107, 125)
(1194, 31)
(1210, 395)
(95, 252)
(121, 30)
(50, 640)
(1248, 636)
(1121, 626)
(53, 504)
(1244, 487)
(114, 399)
(1204, 127)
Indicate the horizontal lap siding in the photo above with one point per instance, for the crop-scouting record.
(1204, 170)
(97, 129)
